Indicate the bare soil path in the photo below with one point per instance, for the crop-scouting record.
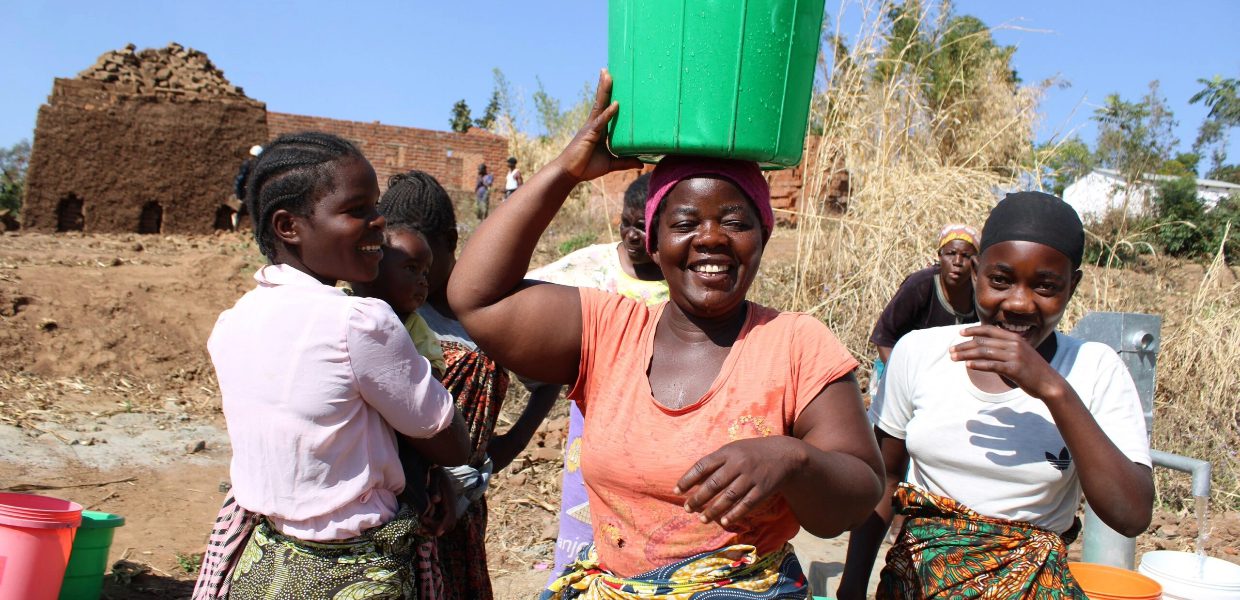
(107, 398)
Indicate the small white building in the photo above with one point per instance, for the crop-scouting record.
(1104, 190)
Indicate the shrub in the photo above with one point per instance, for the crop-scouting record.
(1180, 216)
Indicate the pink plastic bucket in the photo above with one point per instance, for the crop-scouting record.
(36, 536)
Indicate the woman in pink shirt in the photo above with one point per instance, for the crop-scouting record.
(316, 386)
(714, 427)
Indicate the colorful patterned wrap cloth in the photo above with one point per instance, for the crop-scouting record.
(732, 573)
(946, 550)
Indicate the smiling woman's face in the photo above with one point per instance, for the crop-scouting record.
(342, 237)
(1023, 287)
(709, 245)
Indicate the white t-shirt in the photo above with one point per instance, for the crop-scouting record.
(510, 183)
(1001, 454)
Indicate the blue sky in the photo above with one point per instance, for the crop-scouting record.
(405, 63)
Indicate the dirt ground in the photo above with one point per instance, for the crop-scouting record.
(107, 398)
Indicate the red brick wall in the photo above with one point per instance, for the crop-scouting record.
(453, 158)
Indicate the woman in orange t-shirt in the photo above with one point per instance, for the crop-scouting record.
(714, 427)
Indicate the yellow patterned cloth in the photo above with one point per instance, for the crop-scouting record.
(373, 566)
(735, 572)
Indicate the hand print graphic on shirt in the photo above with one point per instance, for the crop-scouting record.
(1013, 438)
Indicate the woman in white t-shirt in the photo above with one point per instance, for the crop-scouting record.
(997, 429)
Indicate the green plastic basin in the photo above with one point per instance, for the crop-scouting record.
(721, 78)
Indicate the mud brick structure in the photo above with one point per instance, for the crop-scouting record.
(451, 157)
(144, 142)
(150, 141)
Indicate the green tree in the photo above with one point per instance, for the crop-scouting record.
(1183, 165)
(1065, 162)
(1181, 216)
(548, 109)
(953, 64)
(1135, 138)
(508, 100)
(461, 120)
(1223, 220)
(557, 122)
(491, 114)
(1222, 97)
(906, 42)
(1228, 173)
(13, 163)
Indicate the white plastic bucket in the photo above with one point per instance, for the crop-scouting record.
(1178, 574)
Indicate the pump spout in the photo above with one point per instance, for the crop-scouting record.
(1199, 469)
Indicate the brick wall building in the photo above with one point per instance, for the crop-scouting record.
(150, 141)
(453, 158)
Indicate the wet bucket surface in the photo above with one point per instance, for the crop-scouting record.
(36, 536)
(719, 78)
(89, 560)
(1184, 575)
(1103, 582)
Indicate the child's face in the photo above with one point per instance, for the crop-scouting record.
(402, 276)
(342, 239)
(954, 261)
(1023, 287)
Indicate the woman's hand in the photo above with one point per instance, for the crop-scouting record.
(728, 483)
(1008, 355)
(440, 515)
(586, 156)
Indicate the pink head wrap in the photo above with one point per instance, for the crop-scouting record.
(744, 174)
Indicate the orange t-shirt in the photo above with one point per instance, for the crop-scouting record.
(634, 450)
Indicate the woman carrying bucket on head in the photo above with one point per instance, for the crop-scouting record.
(715, 428)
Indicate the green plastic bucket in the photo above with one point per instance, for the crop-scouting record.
(721, 78)
(89, 559)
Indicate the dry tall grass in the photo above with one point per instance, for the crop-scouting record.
(1197, 404)
(916, 165)
(907, 182)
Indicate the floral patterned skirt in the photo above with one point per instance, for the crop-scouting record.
(376, 565)
(946, 550)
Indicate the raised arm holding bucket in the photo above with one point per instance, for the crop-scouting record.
(715, 428)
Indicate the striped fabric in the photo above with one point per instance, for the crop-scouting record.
(232, 528)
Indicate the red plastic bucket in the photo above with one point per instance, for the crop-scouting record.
(36, 536)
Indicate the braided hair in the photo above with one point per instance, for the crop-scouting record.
(292, 173)
(415, 199)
